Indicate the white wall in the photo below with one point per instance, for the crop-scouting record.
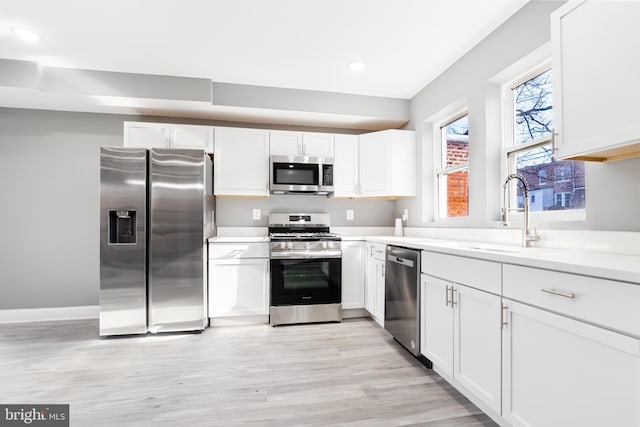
(611, 188)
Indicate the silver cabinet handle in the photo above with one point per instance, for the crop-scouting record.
(503, 315)
(446, 297)
(559, 293)
(453, 296)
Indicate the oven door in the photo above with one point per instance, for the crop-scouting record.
(304, 281)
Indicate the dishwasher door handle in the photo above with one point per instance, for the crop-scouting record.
(403, 261)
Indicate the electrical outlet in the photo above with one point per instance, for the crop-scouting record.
(349, 214)
(405, 215)
(257, 214)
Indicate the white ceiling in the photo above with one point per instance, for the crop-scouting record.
(305, 44)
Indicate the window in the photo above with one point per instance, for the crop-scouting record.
(563, 199)
(542, 177)
(529, 151)
(452, 168)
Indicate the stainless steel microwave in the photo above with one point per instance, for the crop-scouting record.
(301, 175)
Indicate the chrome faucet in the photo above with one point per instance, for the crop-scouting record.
(527, 235)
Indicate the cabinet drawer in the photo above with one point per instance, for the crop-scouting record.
(377, 251)
(238, 250)
(483, 275)
(604, 302)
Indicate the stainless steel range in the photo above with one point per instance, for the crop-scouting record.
(305, 269)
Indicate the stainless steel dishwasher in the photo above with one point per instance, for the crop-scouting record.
(402, 297)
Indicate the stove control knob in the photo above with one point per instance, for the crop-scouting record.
(324, 245)
(289, 245)
(331, 245)
(307, 245)
(283, 245)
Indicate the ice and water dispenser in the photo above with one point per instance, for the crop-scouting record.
(122, 227)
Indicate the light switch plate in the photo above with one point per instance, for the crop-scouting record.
(257, 214)
(350, 214)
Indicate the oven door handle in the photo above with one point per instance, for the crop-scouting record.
(306, 254)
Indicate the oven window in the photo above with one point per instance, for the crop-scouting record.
(306, 275)
(305, 281)
(295, 173)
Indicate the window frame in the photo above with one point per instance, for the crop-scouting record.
(441, 171)
(510, 148)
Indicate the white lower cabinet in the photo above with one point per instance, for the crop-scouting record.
(239, 281)
(374, 281)
(460, 334)
(559, 371)
(352, 275)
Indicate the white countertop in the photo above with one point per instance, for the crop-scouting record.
(612, 266)
(239, 239)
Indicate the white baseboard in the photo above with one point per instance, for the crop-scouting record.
(49, 314)
(239, 320)
(350, 313)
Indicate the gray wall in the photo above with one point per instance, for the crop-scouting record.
(612, 203)
(49, 170)
(367, 213)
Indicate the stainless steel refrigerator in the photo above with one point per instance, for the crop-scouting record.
(156, 214)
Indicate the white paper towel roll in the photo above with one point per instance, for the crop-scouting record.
(398, 229)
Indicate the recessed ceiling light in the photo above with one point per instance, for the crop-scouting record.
(26, 35)
(356, 66)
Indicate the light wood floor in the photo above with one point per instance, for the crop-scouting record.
(350, 373)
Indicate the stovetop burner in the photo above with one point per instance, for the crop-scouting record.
(304, 236)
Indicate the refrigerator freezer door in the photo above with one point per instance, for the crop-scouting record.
(123, 198)
(177, 261)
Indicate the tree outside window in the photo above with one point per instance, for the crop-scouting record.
(531, 153)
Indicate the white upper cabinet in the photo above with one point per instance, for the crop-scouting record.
(387, 164)
(241, 162)
(595, 64)
(190, 136)
(285, 143)
(146, 135)
(297, 144)
(345, 166)
(317, 144)
(163, 135)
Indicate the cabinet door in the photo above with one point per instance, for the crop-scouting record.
(285, 143)
(380, 293)
(437, 323)
(373, 158)
(241, 162)
(352, 275)
(562, 372)
(476, 336)
(238, 287)
(595, 65)
(189, 136)
(370, 282)
(146, 135)
(345, 166)
(317, 144)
